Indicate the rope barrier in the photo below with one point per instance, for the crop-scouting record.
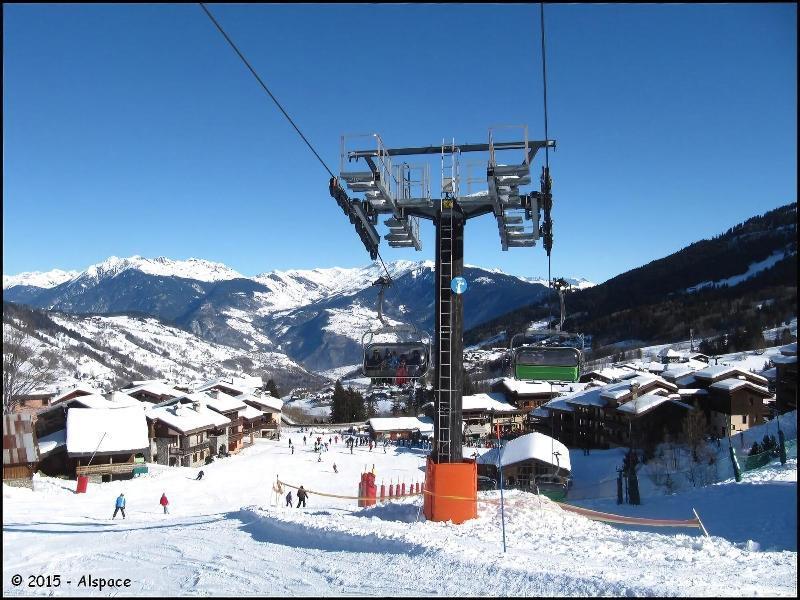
(584, 512)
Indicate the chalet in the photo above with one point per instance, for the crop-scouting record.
(232, 408)
(668, 355)
(526, 461)
(493, 410)
(153, 392)
(35, 399)
(184, 432)
(396, 428)
(106, 441)
(649, 416)
(590, 419)
(528, 395)
(734, 405)
(51, 428)
(270, 408)
(786, 378)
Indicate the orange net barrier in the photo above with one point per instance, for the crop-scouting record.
(594, 515)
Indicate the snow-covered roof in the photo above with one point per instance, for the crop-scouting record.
(494, 401)
(226, 383)
(82, 388)
(156, 388)
(784, 360)
(48, 443)
(248, 412)
(222, 402)
(557, 404)
(670, 353)
(693, 392)
(188, 417)
(423, 424)
(263, 401)
(675, 370)
(610, 373)
(93, 401)
(529, 446)
(715, 372)
(646, 403)
(122, 399)
(528, 387)
(728, 385)
(789, 349)
(121, 430)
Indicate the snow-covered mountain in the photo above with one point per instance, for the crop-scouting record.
(106, 351)
(315, 316)
(38, 279)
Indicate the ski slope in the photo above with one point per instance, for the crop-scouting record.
(223, 536)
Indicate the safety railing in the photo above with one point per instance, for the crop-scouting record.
(499, 135)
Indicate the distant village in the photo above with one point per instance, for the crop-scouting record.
(79, 431)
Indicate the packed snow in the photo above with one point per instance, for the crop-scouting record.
(229, 534)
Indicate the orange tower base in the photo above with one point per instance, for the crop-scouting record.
(451, 491)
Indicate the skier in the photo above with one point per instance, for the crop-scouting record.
(335, 470)
(289, 499)
(301, 497)
(304, 440)
(319, 457)
(290, 442)
(120, 505)
(336, 439)
(199, 476)
(292, 449)
(164, 502)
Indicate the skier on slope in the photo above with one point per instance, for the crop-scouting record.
(164, 502)
(120, 505)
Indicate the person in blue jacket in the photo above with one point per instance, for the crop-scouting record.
(120, 506)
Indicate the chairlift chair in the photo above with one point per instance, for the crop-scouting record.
(404, 359)
(551, 355)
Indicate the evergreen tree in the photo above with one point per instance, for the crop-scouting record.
(339, 404)
(356, 409)
(272, 389)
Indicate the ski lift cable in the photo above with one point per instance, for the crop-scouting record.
(544, 80)
(546, 147)
(274, 99)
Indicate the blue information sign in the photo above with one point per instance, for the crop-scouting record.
(458, 285)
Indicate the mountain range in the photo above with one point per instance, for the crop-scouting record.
(315, 317)
(744, 279)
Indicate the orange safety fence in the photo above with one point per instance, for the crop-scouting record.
(594, 515)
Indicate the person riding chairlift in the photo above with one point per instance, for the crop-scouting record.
(401, 377)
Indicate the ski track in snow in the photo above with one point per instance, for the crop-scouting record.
(223, 537)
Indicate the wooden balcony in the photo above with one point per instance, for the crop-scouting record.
(112, 469)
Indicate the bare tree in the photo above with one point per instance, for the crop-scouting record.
(24, 369)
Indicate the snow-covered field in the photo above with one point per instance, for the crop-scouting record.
(224, 536)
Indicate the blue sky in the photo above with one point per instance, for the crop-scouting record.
(135, 129)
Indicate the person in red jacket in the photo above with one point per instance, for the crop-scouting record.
(164, 502)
